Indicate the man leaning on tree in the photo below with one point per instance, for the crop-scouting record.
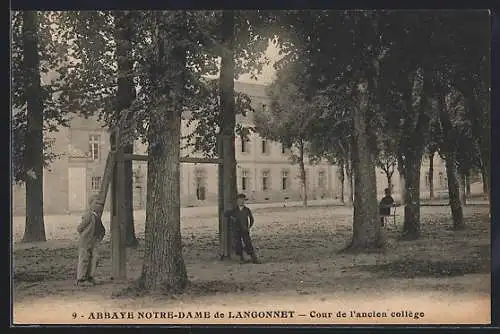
(242, 220)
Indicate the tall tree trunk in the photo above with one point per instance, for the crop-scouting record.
(367, 234)
(486, 162)
(412, 148)
(486, 180)
(224, 246)
(411, 226)
(431, 175)
(480, 118)
(130, 237)
(468, 184)
(163, 266)
(303, 177)
(341, 180)
(454, 190)
(402, 183)
(449, 146)
(389, 180)
(117, 223)
(350, 180)
(462, 187)
(125, 96)
(477, 109)
(228, 117)
(33, 152)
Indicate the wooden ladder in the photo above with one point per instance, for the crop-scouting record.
(107, 177)
(110, 163)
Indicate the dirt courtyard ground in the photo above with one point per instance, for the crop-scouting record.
(444, 277)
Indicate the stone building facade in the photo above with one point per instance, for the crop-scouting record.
(264, 169)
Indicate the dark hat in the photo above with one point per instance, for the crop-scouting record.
(241, 196)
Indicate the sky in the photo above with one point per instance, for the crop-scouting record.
(268, 71)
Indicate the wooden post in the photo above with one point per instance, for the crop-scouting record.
(118, 251)
(225, 237)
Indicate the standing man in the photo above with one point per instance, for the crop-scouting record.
(385, 206)
(242, 220)
(91, 231)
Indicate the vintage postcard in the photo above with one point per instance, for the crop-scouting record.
(251, 167)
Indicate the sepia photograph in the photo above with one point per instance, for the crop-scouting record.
(258, 167)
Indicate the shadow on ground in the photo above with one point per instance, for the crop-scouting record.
(36, 264)
(477, 263)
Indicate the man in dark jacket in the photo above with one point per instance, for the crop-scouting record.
(385, 206)
(242, 220)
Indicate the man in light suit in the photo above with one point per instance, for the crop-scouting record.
(91, 231)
